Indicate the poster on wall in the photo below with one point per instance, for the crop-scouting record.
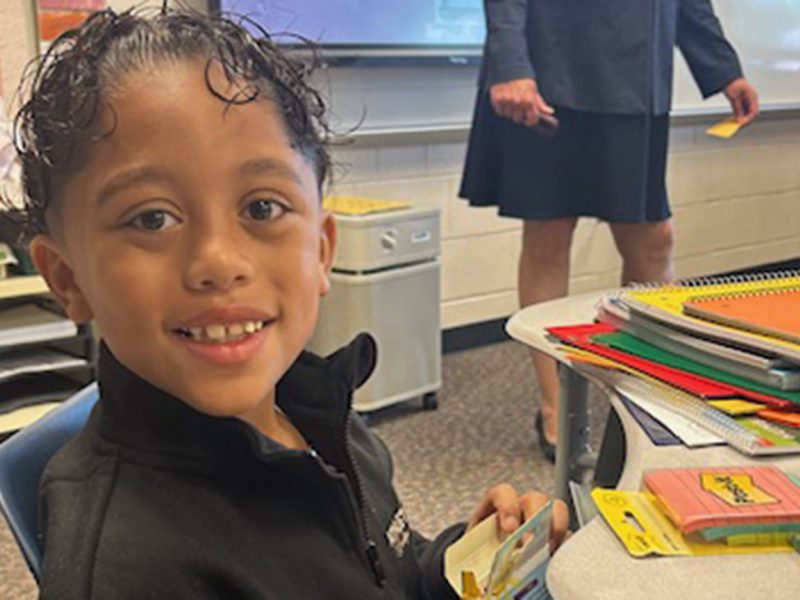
(56, 16)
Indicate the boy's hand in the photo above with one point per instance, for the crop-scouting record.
(513, 510)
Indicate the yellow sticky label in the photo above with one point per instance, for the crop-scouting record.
(736, 407)
(725, 129)
(356, 205)
(735, 490)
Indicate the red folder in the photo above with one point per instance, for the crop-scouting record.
(580, 336)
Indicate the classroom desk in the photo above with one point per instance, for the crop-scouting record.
(593, 563)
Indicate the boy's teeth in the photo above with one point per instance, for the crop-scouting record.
(215, 332)
(222, 333)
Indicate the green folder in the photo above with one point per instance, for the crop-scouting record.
(633, 345)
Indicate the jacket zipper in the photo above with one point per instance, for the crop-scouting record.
(356, 499)
(371, 547)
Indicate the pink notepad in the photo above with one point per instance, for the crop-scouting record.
(698, 498)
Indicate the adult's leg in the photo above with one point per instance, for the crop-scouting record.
(646, 250)
(544, 275)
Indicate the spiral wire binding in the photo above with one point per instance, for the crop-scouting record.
(691, 407)
(713, 281)
(747, 294)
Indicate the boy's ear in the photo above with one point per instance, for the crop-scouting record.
(327, 248)
(49, 259)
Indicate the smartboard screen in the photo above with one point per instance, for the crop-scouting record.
(372, 26)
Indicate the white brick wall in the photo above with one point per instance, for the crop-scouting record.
(736, 205)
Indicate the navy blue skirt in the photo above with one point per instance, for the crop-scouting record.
(607, 166)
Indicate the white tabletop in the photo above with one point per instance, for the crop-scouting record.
(594, 564)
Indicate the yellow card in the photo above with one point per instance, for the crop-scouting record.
(356, 205)
(737, 407)
(725, 129)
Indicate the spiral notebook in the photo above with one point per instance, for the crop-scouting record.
(773, 313)
(664, 303)
(613, 313)
(744, 438)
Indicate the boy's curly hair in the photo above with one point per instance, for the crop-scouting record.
(64, 89)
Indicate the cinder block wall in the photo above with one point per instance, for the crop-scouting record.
(736, 205)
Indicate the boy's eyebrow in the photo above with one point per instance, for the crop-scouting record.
(149, 174)
(130, 178)
(269, 166)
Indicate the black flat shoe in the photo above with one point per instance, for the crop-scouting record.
(548, 449)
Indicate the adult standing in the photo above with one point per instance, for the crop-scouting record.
(603, 69)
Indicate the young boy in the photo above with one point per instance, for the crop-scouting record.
(173, 168)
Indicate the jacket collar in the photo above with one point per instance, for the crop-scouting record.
(315, 393)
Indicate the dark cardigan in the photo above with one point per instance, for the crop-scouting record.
(606, 56)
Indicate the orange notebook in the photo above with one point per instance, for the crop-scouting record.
(775, 313)
(792, 419)
(698, 498)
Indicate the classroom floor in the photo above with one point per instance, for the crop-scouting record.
(481, 434)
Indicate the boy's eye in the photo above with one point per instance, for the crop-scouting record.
(265, 210)
(154, 220)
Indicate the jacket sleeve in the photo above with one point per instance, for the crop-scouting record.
(506, 54)
(430, 556)
(710, 57)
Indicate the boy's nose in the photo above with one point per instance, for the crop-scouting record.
(217, 262)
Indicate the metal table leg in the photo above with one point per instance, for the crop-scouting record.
(573, 453)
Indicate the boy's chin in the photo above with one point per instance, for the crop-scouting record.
(232, 403)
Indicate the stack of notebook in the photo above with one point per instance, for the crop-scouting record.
(722, 350)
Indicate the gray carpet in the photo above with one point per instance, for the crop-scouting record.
(481, 434)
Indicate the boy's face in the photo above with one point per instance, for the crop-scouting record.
(193, 235)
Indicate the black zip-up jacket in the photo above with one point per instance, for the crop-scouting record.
(156, 500)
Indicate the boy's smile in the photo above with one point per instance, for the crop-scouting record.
(193, 234)
(226, 336)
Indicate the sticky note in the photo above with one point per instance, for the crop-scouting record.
(725, 129)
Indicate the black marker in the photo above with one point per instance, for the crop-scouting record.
(547, 124)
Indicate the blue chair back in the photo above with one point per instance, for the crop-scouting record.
(23, 458)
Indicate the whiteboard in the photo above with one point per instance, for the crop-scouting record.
(388, 100)
(766, 35)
